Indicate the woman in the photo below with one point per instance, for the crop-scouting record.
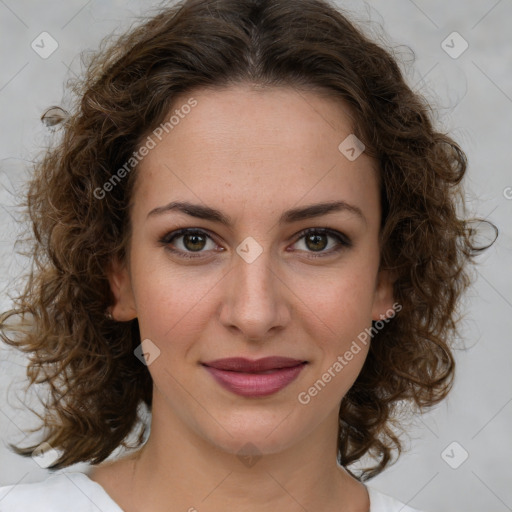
(251, 227)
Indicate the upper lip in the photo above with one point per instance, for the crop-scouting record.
(243, 365)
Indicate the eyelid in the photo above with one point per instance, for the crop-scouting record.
(172, 235)
(325, 231)
(344, 242)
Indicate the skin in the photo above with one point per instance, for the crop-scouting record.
(252, 153)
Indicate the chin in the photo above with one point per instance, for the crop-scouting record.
(251, 435)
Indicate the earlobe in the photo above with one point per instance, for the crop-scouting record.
(119, 278)
(383, 298)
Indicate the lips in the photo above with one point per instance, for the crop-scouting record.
(240, 364)
(255, 378)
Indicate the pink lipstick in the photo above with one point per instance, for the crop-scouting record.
(255, 378)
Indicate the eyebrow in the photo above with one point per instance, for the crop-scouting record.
(287, 217)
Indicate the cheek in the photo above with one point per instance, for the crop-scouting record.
(338, 305)
(172, 304)
(342, 349)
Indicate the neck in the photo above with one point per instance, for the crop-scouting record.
(179, 470)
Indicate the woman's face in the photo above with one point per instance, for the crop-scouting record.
(265, 272)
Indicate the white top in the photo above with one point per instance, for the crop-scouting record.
(64, 491)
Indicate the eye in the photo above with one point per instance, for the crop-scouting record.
(316, 240)
(185, 242)
(192, 241)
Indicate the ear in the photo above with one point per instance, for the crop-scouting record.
(383, 298)
(124, 308)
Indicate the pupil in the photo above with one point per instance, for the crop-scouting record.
(194, 239)
(316, 239)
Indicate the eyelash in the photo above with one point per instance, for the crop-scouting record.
(343, 241)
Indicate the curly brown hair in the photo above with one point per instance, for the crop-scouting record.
(87, 360)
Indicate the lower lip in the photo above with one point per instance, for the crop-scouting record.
(255, 384)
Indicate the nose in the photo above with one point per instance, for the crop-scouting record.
(254, 302)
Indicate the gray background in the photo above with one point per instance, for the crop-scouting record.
(473, 98)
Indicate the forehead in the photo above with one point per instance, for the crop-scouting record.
(242, 118)
(258, 145)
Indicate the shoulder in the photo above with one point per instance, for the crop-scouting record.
(380, 502)
(55, 494)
